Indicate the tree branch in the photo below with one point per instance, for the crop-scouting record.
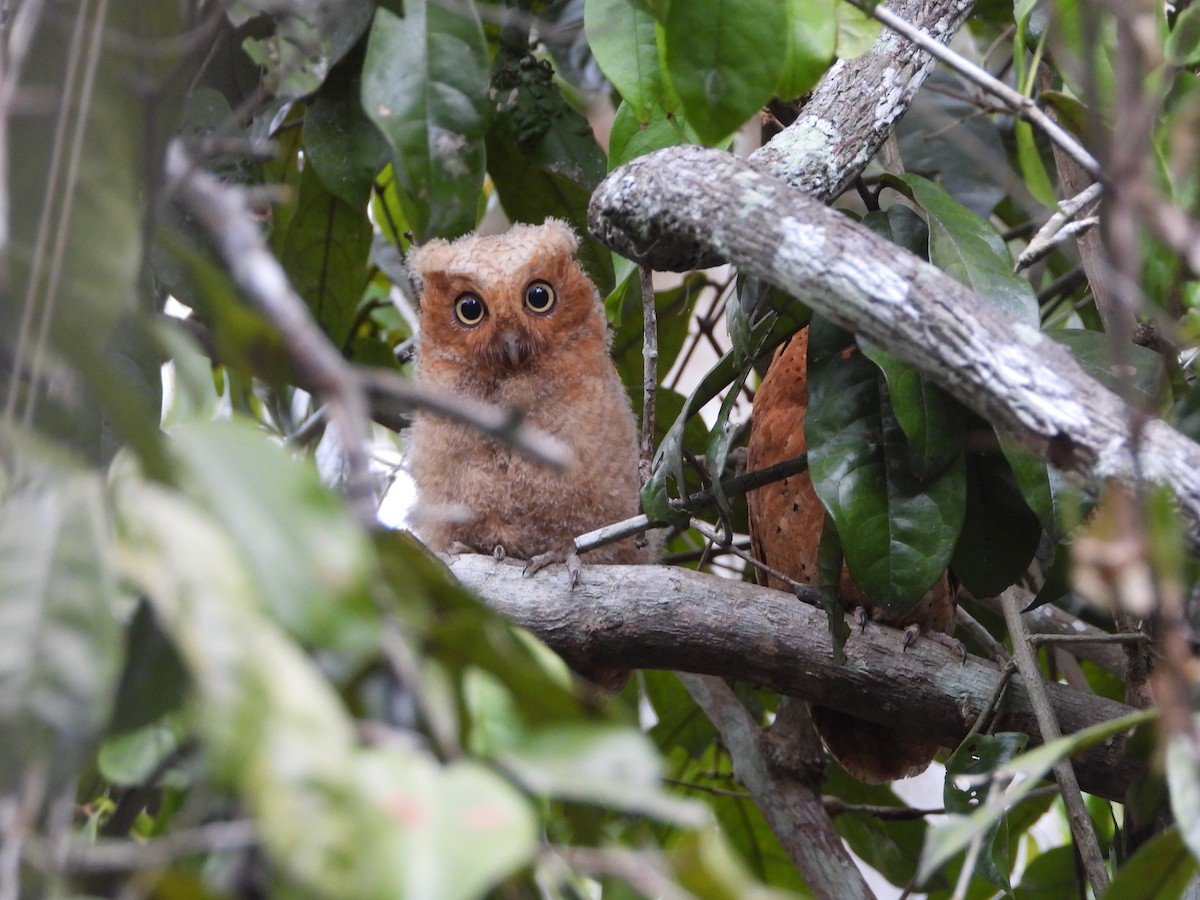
(655, 617)
(678, 205)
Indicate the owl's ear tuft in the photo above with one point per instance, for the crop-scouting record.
(429, 257)
(560, 236)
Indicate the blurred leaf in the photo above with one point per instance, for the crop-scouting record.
(154, 681)
(132, 758)
(968, 248)
(1052, 873)
(342, 144)
(897, 530)
(307, 41)
(680, 722)
(424, 85)
(811, 40)
(857, 31)
(724, 61)
(611, 765)
(621, 34)
(1183, 779)
(60, 635)
(1161, 868)
(325, 254)
(309, 559)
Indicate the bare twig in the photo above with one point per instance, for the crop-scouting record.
(711, 534)
(836, 806)
(124, 856)
(981, 635)
(1014, 100)
(1059, 228)
(649, 369)
(1064, 772)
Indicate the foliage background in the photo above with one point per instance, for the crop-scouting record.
(215, 681)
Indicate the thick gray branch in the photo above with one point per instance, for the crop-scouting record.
(654, 617)
(671, 207)
(857, 103)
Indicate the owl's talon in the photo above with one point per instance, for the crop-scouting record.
(458, 548)
(499, 553)
(911, 633)
(574, 568)
(861, 617)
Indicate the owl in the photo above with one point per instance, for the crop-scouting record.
(512, 320)
(786, 520)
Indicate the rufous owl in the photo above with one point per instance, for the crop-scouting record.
(513, 320)
(786, 521)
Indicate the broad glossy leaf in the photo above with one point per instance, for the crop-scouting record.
(425, 86)
(968, 248)
(325, 253)
(897, 531)
(309, 560)
(1000, 533)
(811, 41)
(902, 226)
(621, 34)
(60, 632)
(1183, 43)
(1053, 499)
(724, 61)
(342, 144)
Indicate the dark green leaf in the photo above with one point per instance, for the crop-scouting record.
(897, 530)
(830, 561)
(154, 681)
(1000, 533)
(681, 723)
(968, 248)
(325, 255)
(902, 227)
(342, 144)
(1054, 500)
(1138, 376)
(60, 637)
(621, 34)
(1162, 868)
(425, 86)
(631, 137)
(724, 61)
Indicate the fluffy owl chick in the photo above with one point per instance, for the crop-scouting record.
(512, 320)
(786, 521)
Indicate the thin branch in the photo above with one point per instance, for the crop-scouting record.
(1058, 227)
(225, 215)
(649, 370)
(1064, 772)
(125, 856)
(981, 635)
(1014, 100)
(836, 806)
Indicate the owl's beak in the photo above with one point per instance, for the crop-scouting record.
(512, 348)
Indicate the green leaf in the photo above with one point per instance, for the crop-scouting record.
(615, 766)
(902, 226)
(60, 636)
(931, 419)
(621, 34)
(154, 681)
(631, 137)
(724, 61)
(544, 159)
(1161, 868)
(132, 758)
(946, 841)
(811, 40)
(1183, 43)
(1000, 533)
(897, 531)
(309, 559)
(425, 86)
(1053, 499)
(968, 248)
(325, 253)
(342, 144)
(857, 31)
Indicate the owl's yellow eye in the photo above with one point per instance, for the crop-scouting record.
(469, 309)
(539, 297)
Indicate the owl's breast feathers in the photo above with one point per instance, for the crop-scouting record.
(786, 521)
